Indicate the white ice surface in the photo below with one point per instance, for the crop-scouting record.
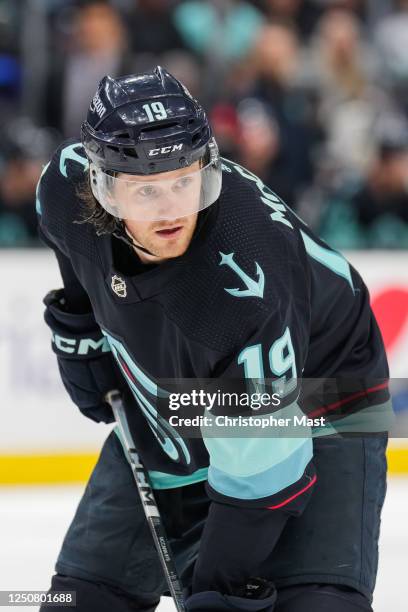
(33, 521)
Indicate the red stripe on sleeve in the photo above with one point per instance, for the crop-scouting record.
(346, 400)
(287, 501)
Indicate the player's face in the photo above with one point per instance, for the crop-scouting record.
(169, 192)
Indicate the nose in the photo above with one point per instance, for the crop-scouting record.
(170, 206)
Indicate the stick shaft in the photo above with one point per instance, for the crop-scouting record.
(148, 501)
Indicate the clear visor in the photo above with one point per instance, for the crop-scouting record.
(151, 198)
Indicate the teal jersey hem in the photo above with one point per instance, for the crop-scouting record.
(163, 480)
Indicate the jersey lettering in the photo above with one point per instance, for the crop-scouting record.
(268, 198)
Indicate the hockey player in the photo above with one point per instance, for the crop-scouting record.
(180, 265)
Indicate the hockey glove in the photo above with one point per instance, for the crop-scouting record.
(255, 596)
(86, 365)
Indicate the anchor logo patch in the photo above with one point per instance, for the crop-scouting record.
(253, 288)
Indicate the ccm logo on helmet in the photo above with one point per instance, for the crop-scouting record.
(164, 150)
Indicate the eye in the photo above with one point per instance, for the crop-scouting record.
(148, 191)
(183, 183)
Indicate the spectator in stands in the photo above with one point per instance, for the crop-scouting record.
(358, 7)
(342, 61)
(98, 47)
(220, 34)
(224, 122)
(345, 71)
(260, 148)
(18, 178)
(10, 69)
(303, 14)
(374, 214)
(24, 151)
(276, 64)
(218, 29)
(154, 39)
(185, 67)
(392, 40)
(152, 32)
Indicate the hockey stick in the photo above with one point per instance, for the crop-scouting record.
(150, 508)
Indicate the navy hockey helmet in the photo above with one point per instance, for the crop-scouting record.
(141, 126)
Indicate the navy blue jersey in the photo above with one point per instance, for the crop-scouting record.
(257, 295)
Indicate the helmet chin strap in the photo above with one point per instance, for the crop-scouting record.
(123, 234)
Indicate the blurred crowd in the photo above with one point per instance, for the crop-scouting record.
(310, 95)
